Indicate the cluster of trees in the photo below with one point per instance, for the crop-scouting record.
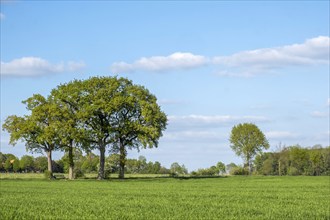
(294, 160)
(136, 166)
(88, 163)
(11, 163)
(96, 114)
(248, 142)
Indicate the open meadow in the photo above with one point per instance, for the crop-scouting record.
(239, 197)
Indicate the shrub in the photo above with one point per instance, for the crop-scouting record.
(78, 173)
(48, 175)
(107, 173)
(173, 174)
(239, 171)
(293, 171)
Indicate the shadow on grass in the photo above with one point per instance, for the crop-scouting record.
(150, 178)
(113, 177)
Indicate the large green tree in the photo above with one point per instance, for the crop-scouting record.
(27, 163)
(246, 141)
(97, 109)
(118, 114)
(38, 130)
(138, 121)
(70, 131)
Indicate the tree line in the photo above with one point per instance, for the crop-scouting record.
(294, 160)
(83, 164)
(88, 163)
(291, 160)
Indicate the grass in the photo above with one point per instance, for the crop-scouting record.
(167, 198)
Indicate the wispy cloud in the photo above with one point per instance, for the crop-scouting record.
(189, 135)
(314, 51)
(280, 135)
(2, 16)
(35, 66)
(170, 102)
(328, 102)
(318, 114)
(209, 121)
(174, 61)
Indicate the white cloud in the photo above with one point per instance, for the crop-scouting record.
(189, 135)
(174, 61)
(328, 102)
(2, 16)
(211, 121)
(170, 102)
(318, 114)
(279, 135)
(313, 51)
(34, 66)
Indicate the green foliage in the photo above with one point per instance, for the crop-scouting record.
(246, 141)
(41, 163)
(27, 163)
(78, 173)
(77, 158)
(16, 165)
(48, 174)
(221, 167)
(10, 162)
(2, 161)
(239, 170)
(230, 166)
(212, 171)
(39, 129)
(106, 111)
(294, 160)
(89, 163)
(166, 198)
(177, 170)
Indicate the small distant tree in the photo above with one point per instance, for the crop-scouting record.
(90, 163)
(176, 169)
(11, 163)
(246, 141)
(2, 161)
(27, 163)
(156, 167)
(40, 163)
(221, 168)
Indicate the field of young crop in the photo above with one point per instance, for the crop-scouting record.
(167, 198)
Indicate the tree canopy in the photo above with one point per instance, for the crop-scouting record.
(38, 130)
(97, 113)
(247, 140)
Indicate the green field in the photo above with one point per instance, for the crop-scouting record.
(167, 198)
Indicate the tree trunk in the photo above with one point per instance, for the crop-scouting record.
(50, 167)
(122, 161)
(101, 175)
(71, 163)
(279, 168)
(249, 164)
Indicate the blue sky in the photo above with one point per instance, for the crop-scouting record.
(211, 65)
